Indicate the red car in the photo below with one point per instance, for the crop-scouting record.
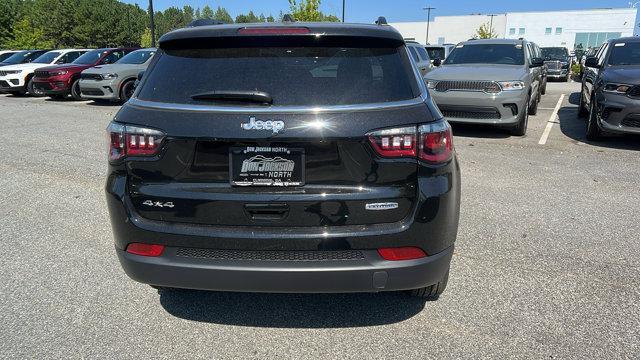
(59, 81)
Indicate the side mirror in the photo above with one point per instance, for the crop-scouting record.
(591, 62)
(437, 62)
(537, 62)
(140, 75)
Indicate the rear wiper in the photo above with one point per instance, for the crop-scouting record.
(259, 97)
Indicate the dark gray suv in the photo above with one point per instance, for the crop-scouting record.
(610, 95)
(284, 158)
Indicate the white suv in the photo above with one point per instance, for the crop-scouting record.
(16, 79)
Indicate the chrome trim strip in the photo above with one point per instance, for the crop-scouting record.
(275, 109)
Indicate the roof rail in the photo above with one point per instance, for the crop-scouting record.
(287, 18)
(382, 21)
(205, 22)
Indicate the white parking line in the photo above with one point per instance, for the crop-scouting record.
(552, 120)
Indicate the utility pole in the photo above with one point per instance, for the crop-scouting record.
(428, 8)
(491, 24)
(343, 1)
(152, 25)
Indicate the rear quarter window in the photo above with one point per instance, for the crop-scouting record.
(314, 76)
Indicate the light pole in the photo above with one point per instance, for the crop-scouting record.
(152, 25)
(428, 8)
(343, 1)
(491, 24)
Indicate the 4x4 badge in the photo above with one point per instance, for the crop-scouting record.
(275, 126)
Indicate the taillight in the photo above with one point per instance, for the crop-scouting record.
(126, 140)
(401, 253)
(399, 142)
(145, 249)
(273, 31)
(436, 142)
(432, 143)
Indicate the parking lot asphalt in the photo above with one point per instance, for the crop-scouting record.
(546, 264)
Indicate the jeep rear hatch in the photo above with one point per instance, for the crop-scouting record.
(261, 133)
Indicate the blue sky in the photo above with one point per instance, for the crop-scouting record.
(395, 10)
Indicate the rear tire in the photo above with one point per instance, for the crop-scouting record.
(593, 129)
(75, 90)
(432, 292)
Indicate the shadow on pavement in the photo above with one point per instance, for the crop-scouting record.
(575, 128)
(291, 310)
(106, 103)
(480, 131)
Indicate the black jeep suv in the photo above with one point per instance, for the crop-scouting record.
(289, 157)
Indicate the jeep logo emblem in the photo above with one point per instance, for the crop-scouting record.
(275, 126)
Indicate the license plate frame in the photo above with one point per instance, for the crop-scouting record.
(266, 166)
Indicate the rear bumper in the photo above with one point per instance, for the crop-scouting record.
(369, 274)
(431, 226)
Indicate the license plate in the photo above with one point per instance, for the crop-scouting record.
(266, 166)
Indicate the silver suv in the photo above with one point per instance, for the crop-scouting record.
(491, 81)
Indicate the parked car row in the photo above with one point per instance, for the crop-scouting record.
(98, 74)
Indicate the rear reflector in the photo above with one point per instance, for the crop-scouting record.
(401, 253)
(273, 31)
(145, 249)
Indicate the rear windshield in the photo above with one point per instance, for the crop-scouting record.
(436, 52)
(290, 75)
(137, 57)
(555, 53)
(625, 54)
(505, 54)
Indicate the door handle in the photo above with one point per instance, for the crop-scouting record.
(266, 212)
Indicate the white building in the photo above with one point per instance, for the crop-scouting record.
(550, 28)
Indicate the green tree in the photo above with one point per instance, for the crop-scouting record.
(223, 15)
(187, 15)
(309, 10)
(197, 14)
(145, 38)
(485, 32)
(249, 18)
(10, 12)
(305, 10)
(25, 36)
(207, 13)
